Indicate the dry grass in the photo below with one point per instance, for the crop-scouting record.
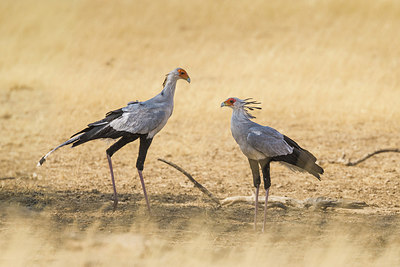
(309, 240)
(327, 74)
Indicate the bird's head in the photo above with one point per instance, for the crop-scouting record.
(245, 104)
(180, 73)
(177, 74)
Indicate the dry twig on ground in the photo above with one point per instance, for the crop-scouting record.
(287, 203)
(275, 201)
(347, 162)
(6, 178)
(196, 184)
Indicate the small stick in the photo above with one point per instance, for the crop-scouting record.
(353, 163)
(286, 202)
(345, 162)
(7, 178)
(196, 184)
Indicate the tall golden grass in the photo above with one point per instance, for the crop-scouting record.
(31, 240)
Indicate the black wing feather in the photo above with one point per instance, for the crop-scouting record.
(110, 116)
(300, 158)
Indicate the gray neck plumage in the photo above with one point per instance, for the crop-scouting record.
(169, 86)
(241, 114)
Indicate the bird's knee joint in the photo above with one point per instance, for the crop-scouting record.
(140, 165)
(257, 182)
(110, 151)
(267, 183)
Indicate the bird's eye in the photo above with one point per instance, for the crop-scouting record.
(231, 101)
(182, 73)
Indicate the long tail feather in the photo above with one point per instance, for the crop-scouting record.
(70, 141)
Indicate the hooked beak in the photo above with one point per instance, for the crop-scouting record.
(185, 77)
(223, 104)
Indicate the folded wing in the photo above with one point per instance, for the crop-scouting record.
(268, 141)
(139, 118)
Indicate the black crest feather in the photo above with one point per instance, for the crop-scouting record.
(165, 81)
(249, 105)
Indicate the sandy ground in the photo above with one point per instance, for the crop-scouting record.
(327, 75)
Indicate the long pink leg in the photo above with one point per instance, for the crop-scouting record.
(256, 207)
(265, 207)
(144, 189)
(113, 182)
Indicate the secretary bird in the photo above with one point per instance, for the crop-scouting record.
(141, 120)
(263, 144)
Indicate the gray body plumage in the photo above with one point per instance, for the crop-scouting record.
(147, 117)
(264, 144)
(137, 118)
(257, 142)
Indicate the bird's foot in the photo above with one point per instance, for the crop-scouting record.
(115, 204)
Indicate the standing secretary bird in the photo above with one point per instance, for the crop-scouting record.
(141, 120)
(263, 144)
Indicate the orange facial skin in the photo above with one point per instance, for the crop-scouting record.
(230, 102)
(183, 74)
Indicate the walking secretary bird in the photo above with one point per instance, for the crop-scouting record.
(263, 144)
(138, 120)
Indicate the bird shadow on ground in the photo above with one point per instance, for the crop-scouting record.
(169, 211)
(86, 207)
